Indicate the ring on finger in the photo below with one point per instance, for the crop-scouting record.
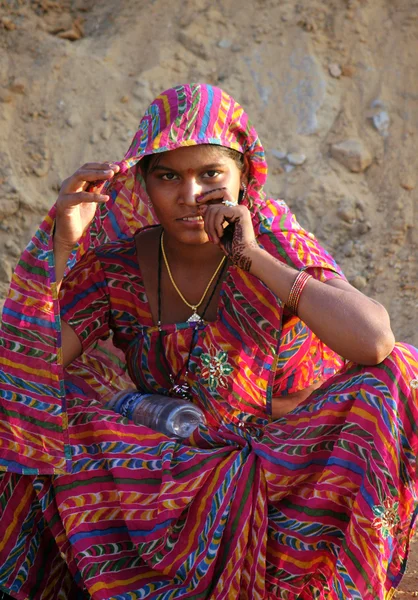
(229, 203)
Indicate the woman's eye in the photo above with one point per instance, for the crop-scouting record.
(168, 177)
(211, 174)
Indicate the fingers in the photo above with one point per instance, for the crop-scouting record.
(216, 217)
(216, 214)
(88, 174)
(215, 195)
(80, 197)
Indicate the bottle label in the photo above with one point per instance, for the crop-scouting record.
(130, 403)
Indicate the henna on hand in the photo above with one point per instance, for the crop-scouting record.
(237, 250)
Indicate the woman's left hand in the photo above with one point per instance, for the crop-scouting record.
(229, 225)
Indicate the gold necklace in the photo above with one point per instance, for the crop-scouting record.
(195, 316)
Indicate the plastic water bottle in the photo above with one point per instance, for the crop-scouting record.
(174, 417)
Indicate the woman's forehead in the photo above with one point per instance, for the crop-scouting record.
(200, 154)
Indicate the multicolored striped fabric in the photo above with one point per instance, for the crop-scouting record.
(231, 366)
(320, 504)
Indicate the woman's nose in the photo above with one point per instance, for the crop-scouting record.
(190, 191)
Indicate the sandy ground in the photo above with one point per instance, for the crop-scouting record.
(331, 85)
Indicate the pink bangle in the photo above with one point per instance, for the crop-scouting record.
(301, 280)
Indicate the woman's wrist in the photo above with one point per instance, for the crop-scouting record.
(61, 255)
(278, 276)
(258, 258)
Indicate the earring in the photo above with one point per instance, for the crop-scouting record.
(244, 191)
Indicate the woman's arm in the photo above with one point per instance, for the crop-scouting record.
(350, 323)
(71, 345)
(76, 206)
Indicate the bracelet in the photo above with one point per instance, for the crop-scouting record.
(301, 280)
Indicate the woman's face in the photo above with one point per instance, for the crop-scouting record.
(177, 178)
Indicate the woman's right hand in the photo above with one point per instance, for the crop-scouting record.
(76, 206)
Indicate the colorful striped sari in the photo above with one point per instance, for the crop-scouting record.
(319, 504)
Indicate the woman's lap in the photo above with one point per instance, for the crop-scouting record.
(320, 504)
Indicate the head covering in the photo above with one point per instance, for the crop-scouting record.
(194, 114)
(186, 115)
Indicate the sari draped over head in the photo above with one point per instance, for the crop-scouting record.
(319, 504)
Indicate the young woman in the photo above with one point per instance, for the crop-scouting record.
(302, 484)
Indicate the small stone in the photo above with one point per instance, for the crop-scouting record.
(71, 35)
(352, 154)
(12, 248)
(381, 121)
(362, 228)
(348, 70)
(279, 154)
(377, 103)
(40, 157)
(408, 184)
(142, 91)
(73, 120)
(6, 96)
(62, 22)
(347, 210)
(224, 43)
(8, 207)
(75, 33)
(348, 248)
(106, 132)
(41, 169)
(192, 40)
(213, 15)
(296, 159)
(307, 24)
(335, 70)
(124, 99)
(359, 282)
(18, 86)
(276, 169)
(288, 168)
(8, 24)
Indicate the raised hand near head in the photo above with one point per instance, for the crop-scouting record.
(77, 201)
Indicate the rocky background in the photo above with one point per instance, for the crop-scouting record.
(331, 85)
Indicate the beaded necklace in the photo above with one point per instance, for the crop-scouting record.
(178, 389)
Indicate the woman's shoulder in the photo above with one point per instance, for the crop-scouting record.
(278, 231)
(118, 254)
(106, 261)
(274, 215)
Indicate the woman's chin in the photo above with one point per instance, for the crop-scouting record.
(188, 235)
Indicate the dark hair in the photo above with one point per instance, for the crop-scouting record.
(149, 162)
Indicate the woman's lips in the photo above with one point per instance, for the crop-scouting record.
(192, 222)
(193, 219)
